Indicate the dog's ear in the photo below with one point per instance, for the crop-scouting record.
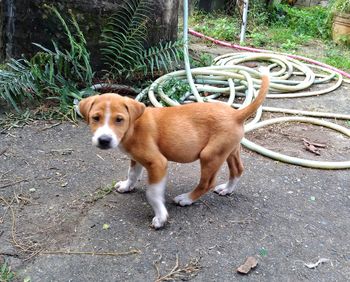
(85, 106)
(134, 108)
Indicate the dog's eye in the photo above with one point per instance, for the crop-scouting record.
(96, 118)
(119, 119)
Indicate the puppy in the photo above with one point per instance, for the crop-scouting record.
(210, 132)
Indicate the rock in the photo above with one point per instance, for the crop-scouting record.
(249, 264)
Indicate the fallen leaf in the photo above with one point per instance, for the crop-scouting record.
(313, 147)
(249, 264)
(314, 265)
(315, 144)
(105, 226)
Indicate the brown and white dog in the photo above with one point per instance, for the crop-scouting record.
(210, 132)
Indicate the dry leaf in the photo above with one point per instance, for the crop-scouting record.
(319, 145)
(313, 147)
(249, 264)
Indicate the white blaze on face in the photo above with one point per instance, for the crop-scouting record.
(106, 130)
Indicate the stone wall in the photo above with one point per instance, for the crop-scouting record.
(27, 21)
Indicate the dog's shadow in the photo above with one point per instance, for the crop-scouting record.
(137, 209)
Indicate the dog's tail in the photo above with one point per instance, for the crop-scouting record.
(243, 114)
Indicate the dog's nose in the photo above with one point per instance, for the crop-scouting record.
(104, 142)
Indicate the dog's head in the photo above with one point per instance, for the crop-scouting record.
(109, 117)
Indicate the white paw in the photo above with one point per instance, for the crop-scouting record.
(183, 200)
(159, 221)
(124, 186)
(223, 189)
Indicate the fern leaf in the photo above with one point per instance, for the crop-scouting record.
(125, 33)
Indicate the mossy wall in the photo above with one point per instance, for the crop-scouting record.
(26, 21)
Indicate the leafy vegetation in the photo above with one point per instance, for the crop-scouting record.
(123, 40)
(217, 25)
(176, 88)
(6, 275)
(51, 74)
(302, 21)
(337, 56)
(284, 29)
(65, 73)
(341, 6)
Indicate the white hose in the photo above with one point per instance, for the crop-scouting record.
(229, 78)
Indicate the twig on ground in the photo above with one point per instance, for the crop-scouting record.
(243, 221)
(3, 151)
(25, 248)
(33, 249)
(63, 252)
(49, 127)
(6, 172)
(155, 264)
(313, 147)
(62, 151)
(13, 183)
(177, 271)
(205, 203)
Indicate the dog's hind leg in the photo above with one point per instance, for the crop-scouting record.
(134, 173)
(210, 164)
(236, 169)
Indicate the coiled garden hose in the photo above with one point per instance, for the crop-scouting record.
(227, 79)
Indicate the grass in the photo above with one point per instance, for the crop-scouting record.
(337, 56)
(6, 274)
(101, 193)
(302, 31)
(217, 25)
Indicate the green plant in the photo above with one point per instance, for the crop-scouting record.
(205, 60)
(288, 45)
(217, 25)
(306, 21)
(259, 38)
(338, 57)
(53, 74)
(17, 82)
(123, 39)
(176, 88)
(62, 72)
(258, 14)
(6, 274)
(340, 6)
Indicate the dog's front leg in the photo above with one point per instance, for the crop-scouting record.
(134, 173)
(155, 192)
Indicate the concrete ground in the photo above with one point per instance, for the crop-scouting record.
(61, 221)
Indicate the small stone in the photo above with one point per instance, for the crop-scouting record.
(249, 264)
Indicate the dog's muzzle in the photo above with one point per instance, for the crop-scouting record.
(104, 142)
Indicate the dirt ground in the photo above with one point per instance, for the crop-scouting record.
(61, 221)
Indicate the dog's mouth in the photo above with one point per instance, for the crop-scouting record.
(104, 147)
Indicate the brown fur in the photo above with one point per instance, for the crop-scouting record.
(210, 132)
